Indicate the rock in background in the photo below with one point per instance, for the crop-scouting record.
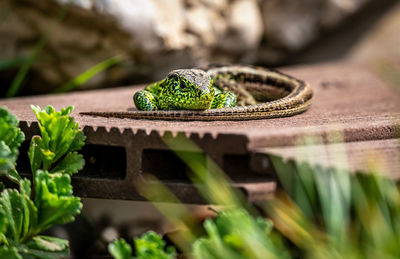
(156, 36)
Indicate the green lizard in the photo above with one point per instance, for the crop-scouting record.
(184, 89)
(219, 93)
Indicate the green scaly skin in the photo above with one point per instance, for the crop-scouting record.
(184, 89)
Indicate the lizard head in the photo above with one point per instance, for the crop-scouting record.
(188, 89)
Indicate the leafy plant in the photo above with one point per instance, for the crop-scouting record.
(56, 150)
(319, 212)
(26, 212)
(149, 246)
(331, 213)
(120, 249)
(11, 138)
(234, 233)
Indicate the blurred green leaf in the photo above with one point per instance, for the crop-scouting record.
(9, 253)
(234, 233)
(11, 138)
(88, 74)
(151, 246)
(7, 158)
(353, 215)
(12, 62)
(120, 249)
(47, 247)
(153, 190)
(210, 180)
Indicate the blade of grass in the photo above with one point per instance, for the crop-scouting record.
(12, 62)
(23, 71)
(180, 217)
(88, 74)
(210, 180)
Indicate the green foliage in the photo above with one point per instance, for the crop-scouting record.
(60, 138)
(149, 246)
(88, 74)
(25, 213)
(54, 199)
(334, 214)
(21, 218)
(320, 213)
(9, 252)
(236, 234)
(18, 208)
(46, 247)
(120, 249)
(11, 138)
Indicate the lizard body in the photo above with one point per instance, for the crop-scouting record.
(261, 93)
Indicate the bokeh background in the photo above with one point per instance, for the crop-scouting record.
(46, 45)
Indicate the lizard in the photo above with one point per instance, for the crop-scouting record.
(232, 92)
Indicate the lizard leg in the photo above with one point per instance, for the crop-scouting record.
(145, 101)
(224, 100)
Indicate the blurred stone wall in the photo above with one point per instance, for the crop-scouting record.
(155, 36)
